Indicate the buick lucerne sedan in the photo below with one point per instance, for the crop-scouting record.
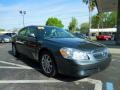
(59, 51)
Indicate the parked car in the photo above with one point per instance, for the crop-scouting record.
(5, 39)
(104, 37)
(10, 34)
(59, 51)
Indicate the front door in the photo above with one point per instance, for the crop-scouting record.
(31, 43)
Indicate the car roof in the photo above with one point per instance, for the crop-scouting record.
(4, 36)
(41, 26)
(10, 33)
(36, 26)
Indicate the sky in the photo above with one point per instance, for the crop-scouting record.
(38, 11)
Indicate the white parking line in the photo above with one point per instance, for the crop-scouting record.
(116, 60)
(23, 66)
(9, 67)
(97, 83)
(28, 81)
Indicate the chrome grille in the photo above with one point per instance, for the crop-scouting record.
(100, 53)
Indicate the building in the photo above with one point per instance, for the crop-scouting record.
(107, 5)
(111, 5)
(112, 30)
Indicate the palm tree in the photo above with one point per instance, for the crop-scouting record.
(91, 5)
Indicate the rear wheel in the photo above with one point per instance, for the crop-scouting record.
(110, 38)
(14, 50)
(107, 39)
(48, 64)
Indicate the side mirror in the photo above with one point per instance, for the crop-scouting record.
(32, 35)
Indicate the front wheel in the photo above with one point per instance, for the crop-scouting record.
(48, 64)
(3, 41)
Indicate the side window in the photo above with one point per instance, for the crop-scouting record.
(40, 32)
(22, 32)
(31, 32)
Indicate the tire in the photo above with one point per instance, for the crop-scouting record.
(97, 39)
(110, 38)
(3, 41)
(14, 51)
(48, 65)
(107, 39)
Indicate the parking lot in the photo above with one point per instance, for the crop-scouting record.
(25, 74)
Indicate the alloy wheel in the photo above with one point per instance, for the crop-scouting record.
(47, 64)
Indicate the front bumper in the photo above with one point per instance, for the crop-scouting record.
(7, 40)
(71, 68)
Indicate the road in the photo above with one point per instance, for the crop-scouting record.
(25, 74)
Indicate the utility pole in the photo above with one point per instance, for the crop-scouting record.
(22, 12)
(89, 18)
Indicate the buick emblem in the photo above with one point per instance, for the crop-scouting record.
(103, 54)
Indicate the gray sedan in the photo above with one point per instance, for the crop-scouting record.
(5, 39)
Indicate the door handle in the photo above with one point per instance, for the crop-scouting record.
(24, 42)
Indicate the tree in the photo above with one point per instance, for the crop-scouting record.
(73, 24)
(52, 21)
(95, 21)
(91, 4)
(104, 20)
(2, 29)
(84, 28)
(111, 19)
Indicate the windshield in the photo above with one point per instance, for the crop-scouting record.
(53, 32)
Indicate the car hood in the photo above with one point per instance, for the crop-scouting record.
(75, 43)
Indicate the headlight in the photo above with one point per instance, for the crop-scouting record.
(107, 50)
(70, 53)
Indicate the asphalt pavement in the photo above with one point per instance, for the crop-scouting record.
(25, 74)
